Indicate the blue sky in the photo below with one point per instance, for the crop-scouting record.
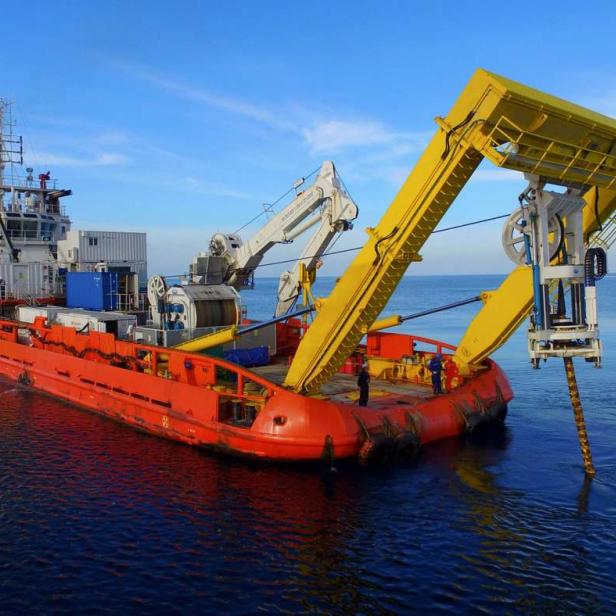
(181, 119)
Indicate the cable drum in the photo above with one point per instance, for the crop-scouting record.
(199, 305)
(213, 313)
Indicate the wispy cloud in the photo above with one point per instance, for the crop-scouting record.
(198, 186)
(104, 159)
(201, 95)
(366, 148)
(397, 175)
(329, 136)
(334, 135)
(322, 131)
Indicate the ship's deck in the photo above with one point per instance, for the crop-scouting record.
(343, 387)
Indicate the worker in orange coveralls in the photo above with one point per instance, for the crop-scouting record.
(452, 374)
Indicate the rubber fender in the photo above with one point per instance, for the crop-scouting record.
(474, 420)
(24, 379)
(406, 446)
(378, 449)
(497, 412)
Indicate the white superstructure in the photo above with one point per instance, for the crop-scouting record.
(32, 220)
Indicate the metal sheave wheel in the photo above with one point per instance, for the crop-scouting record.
(157, 289)
(515, 230)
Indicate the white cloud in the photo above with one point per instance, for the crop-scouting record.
(334, 135)
(497, 175)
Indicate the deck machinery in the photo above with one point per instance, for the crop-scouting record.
(208, 297)
(546, 233)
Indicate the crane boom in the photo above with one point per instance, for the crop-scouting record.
(515, 127)
(335, 217)
(325, 202)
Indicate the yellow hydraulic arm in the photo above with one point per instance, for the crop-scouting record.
(506, 308)
(208, 341)
(233, 332)
(515, 127)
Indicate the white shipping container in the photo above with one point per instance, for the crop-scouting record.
(110, 322)
(95, 246)
(83, 250)
(27, 314)
(22, 280)
(118, 323)
(80, 322)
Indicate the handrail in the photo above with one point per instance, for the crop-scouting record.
(60, 339)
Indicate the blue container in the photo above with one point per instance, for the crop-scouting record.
(92, 290)
(257, 356)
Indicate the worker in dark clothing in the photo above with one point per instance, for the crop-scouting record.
(44, 178)
(436, 367)
(363, 382)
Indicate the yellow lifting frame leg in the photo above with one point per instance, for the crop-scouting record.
(515, 127)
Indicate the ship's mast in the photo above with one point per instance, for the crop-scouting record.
(11, 147)
(2, 156)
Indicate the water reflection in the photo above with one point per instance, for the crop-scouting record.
(537, 553)
(98, 516)
(584, 495)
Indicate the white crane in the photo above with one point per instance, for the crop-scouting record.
(325, 202)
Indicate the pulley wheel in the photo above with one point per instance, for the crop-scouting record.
(515, 230)
(157, 289)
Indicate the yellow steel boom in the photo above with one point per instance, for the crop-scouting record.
(515, 127)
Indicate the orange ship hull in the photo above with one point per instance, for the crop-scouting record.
(208, 402)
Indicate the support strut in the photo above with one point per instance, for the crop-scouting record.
(578, 414)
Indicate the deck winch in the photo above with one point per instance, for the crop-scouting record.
(191, 306)
(547, 234)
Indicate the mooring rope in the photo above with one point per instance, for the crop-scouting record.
(578, 414)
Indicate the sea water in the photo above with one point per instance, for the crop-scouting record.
(97, 517)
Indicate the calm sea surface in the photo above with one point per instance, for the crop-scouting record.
(97, 517)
